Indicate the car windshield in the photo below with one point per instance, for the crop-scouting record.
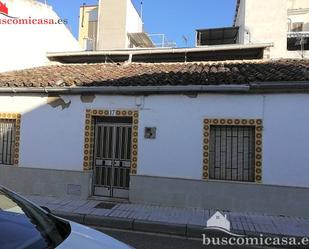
(25, 226)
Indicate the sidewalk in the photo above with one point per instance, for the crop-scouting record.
(188, 222)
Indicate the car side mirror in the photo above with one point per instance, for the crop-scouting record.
(46, 209)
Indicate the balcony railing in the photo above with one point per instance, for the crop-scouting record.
(298, 41)
(298, 34)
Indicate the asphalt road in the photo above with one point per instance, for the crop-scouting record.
(141, 240)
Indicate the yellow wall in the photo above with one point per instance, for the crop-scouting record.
(84, 23)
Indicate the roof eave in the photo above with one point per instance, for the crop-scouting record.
(126, 89)
(51, 55)
(256, 87)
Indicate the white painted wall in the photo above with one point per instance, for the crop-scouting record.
(297, 54)
(241, 23)
(298, 4)
(134, 22)
(298, 11)
(286, 139)
(266, 22)
(25, 46)
(299, 15)
(53, 138)
(178, 148)
(177, 151)
(117, 18)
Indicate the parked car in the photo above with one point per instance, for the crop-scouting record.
(24, 225)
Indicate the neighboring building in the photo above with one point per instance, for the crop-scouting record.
(218, 53)
(282, 23)
(88, 27)
(225, 135)
(216, 36)
(25, 45)
(285, 23)
(298, 28)
(113, 24)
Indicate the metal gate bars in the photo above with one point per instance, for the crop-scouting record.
(112, 158)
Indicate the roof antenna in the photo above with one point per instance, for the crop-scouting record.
(83, 15)
(142, 12)
(186, 39)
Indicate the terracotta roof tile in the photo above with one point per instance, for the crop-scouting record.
(234, 72)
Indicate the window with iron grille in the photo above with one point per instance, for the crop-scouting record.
(232, 153)
(7, 141)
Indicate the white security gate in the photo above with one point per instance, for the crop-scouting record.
(112, 158)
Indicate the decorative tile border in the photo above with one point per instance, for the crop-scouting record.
(17, 118)
(89, 134)
(257, 123)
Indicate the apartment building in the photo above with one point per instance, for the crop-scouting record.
(112, 24)
(284, 23)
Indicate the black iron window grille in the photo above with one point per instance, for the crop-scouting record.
(232, 153)
(7, 141)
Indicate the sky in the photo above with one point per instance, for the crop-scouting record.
(174, 18)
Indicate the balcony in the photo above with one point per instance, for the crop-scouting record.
(298, 41)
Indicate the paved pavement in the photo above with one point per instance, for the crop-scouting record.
(140, 240)
(188, 222)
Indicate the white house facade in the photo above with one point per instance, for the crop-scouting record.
(221, 135)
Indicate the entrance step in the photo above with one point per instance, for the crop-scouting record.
(108, 199)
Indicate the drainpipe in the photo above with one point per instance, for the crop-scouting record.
(127, 89)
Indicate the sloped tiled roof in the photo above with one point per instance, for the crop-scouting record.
(158, 74)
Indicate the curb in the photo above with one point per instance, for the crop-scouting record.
(160, 227)
(106, 221)
(195, 231)
(132, 224)
(190, 231)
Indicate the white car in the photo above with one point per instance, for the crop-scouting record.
(24, 225)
